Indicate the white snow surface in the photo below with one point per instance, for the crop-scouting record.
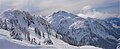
(89, 47)
(8, 43)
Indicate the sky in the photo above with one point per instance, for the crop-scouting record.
(46, 7)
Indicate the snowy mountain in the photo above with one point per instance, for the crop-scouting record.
(25, 27)
(20, 30)
(80, 31)
(61, 30)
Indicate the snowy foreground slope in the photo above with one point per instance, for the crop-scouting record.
(8, 43)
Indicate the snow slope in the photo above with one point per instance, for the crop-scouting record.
(8, 43)
(89, 47)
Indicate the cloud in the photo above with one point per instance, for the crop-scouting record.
(89, 11)
(45, 7)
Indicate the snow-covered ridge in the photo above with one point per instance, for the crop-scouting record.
(81, 31)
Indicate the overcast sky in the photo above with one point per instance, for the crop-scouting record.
(46, 7)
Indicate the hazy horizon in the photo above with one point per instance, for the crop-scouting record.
(46, 7)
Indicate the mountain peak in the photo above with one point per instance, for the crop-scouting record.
(61, 12)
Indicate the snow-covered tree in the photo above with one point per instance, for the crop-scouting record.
(1, 24)
(5, 25)
(39, 43)
(12, 32)
(17, 34)
(118, 45)
(26, 33)
(33, 41)
(38, 33)
(43, 35)
(48, 41)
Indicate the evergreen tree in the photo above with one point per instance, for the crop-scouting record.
(48, 41)
(43, 35)
(118, 45)
(1, 24)
(5, 25)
